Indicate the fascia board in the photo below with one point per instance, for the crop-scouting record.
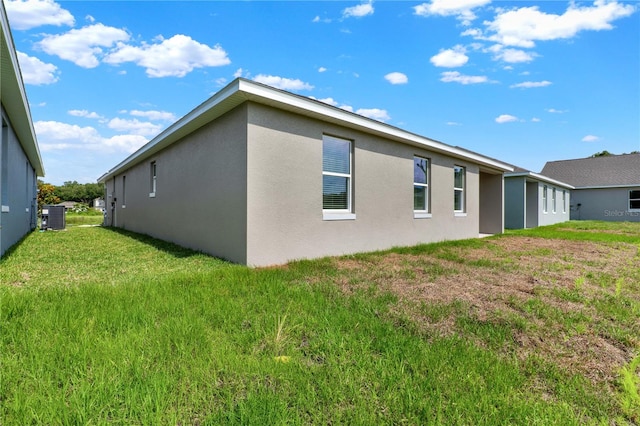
(241, 90)
(609, 186)
(539, 177)
(14, 97)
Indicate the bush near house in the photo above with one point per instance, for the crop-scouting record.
(534, 327)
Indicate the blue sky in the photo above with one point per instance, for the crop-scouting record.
(524, 82)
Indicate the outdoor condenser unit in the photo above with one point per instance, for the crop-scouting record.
(53, 217)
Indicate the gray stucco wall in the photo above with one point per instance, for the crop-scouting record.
(550, 216)
(534, 208)
(18, 194)
(610, 204)
(514, 202)
(285, 219)
(200, 201)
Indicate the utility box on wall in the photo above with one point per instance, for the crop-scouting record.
(53, 217)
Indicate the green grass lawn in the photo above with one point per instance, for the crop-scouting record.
(104, 326)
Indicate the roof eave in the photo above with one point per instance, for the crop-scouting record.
(241, 90)
(17, 109)
(540, 177)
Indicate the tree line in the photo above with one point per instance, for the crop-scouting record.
(83, 193)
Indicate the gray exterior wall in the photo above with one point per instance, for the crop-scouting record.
(610, 204)
(200, 200)
(247, 187)
(285, 219)
(515, 202)
(524, 207)
(18, 189)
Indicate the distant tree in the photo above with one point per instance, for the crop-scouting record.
(602, 154)
(80, 192)
(46, 194)
(634, 152)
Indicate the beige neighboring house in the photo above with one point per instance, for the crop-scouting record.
(20, 161)
(606, 188)
(261, 176)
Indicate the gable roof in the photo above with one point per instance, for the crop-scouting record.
(241, 90)
(13, 96)
(597, 172)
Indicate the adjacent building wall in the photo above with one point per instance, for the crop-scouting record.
(18, 193)
(515, 202)
(610, 204)
(285, 219)
(533, 209)
(200, 198)
(561, 214)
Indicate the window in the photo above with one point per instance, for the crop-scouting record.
(336, 175)
(420, 185)
(124, 192)
(4, 178)
(553, 200)
(564, 201)
(544, 199)
(458, 189)
(634, 199)
(154, 175)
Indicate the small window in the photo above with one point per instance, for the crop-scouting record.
(564, 201)
(458, 189)
(153, 173)
(124, 191)
(544, 199)
(336, 175)
(634, 199)
(420, 184)
(553, 200)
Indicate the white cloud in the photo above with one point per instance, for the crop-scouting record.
(456, 77)
(374, 113)
(282, 83)
(322, 69)
(450, 58)
(84, 46)
(536, 120)
(524, 26)
(36, 72)
(453, 123)
(84, 113)
(90, 18)
(54, 135)
(513, 56)
(556, 111)
(531, 84)
(329, 101)
(26, 14)
(462, 9)
(396, 78)
(358, 11)
(347, 108)
(318, 19)
(154, 115)
(134, 127)
(173, 57)
(506, 118)
(590, 138)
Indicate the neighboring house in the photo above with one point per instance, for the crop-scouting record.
(532, 199)
(20, 161)
(98, 204)
(68, 205)
(260, 176)
(606, 188)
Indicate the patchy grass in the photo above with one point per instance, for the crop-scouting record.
(104, 326)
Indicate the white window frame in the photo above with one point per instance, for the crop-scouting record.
(633, 199)
(341, 214)
(124, 191)
(462, 211)
(553, 200)
(426, 212)
(545, 199)
(564, 201)
(153, 175)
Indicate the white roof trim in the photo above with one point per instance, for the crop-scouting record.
(608, 186)
(241, 90)
(539, 177)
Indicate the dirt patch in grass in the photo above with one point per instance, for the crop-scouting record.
(542, 289)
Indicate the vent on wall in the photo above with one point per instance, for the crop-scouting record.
(53, 217)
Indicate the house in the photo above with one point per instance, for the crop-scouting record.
(68, 205)
(606, 188)
(532, 199)
(20, 161)
(261, 176)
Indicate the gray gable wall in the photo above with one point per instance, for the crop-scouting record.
(614, 170)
